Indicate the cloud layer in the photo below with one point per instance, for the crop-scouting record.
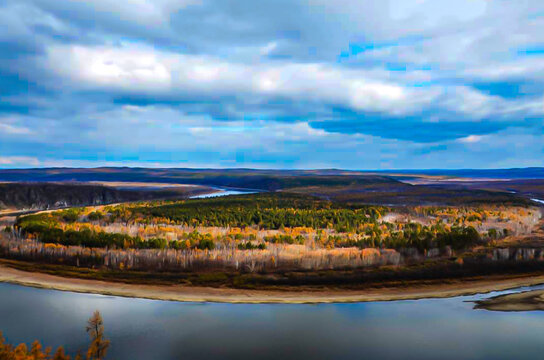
(359, 85)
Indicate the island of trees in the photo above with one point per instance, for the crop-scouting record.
(259, 233)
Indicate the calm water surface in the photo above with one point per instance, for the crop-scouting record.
(149, 329)
(223, 192)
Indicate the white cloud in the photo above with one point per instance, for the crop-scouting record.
(200, 131)
(19, 160)
(268, 48)
(14, 130)
(520, 68)
(143, 69)
(145, 12)
(471, 139)
(107, 66)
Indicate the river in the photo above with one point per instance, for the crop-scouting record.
(223, 192)
(150, 329)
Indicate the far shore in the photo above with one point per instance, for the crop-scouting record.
(184, 293)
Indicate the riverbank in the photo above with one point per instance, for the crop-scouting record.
(524, 301)
(185, 293)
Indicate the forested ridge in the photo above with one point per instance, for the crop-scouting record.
(52, 195)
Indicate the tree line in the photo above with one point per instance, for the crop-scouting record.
(51, 233)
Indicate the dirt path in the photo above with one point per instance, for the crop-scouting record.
(206, 294)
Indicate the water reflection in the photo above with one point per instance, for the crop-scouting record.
(147, 329)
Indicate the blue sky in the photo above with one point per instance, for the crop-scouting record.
(348, 84)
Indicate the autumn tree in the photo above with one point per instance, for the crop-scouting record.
(60, 355)
(99, 344)
(6, 350)
(97, 349)
(36, 351)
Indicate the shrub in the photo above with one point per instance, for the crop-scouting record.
(70, 216)
(206, 244)
(95, 216)
(250, 246)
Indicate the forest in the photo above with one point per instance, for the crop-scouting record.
(265, 210)
(332, 225)
(258, 232)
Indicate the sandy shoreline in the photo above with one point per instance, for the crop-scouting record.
(524, 301)
(228, 295)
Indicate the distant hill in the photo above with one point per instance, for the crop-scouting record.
(47, 195)
(515, 173)
(333, 184)
(249, 178)
(269, 180)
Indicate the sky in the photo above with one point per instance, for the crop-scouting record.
(352, 84)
